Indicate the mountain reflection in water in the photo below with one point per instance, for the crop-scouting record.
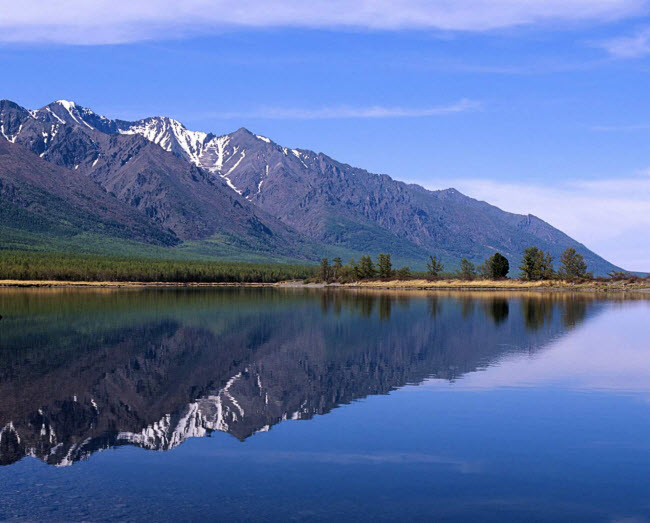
(85, 370)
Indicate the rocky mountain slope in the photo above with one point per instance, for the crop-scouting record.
(42, 198)
(310, 194)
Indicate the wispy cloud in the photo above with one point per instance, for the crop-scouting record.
(120, 21)
(343, 112)
(633, 46)
(610, 216)
(618, 128)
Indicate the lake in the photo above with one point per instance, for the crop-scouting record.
(295, 404)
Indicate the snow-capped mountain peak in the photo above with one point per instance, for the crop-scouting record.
(69, 112)
(220, 155)
(170, 134)
(69, 105)
(225, 156)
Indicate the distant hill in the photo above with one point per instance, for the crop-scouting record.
(244, 189)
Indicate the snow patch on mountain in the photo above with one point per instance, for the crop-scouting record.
(55, 115)
(299, 155)
(218, 147)
(171, 135)
(203, 150)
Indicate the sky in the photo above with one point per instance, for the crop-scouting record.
(537, 106)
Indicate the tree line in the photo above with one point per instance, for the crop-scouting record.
(364, 269)
(538, 265)
(535, 265)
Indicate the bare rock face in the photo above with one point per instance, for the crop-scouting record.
(245, 185)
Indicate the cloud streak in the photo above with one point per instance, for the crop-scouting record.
(610, 216)
(122, 21)
(634, 46)
(620, 128)
(346, 112)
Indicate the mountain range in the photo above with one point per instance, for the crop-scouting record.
(73, 179)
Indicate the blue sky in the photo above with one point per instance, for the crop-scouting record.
(537, 106)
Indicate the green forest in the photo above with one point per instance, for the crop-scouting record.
(17, 265)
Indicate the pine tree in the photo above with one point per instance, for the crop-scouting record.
(366, 267)
(384, 266)
(496, 267)
(536, 265)
(573, 265)
(530, 264)
(355, 270)
(547, 271)
(325, 270)
(336, 267)
(434, 266)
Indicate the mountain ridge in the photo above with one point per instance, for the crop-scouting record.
(324, 201)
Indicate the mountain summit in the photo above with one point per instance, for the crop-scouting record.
(202, 186)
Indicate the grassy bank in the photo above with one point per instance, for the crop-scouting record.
(604, 285)
(23, 267)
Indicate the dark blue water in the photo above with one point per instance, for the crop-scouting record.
(271, 404)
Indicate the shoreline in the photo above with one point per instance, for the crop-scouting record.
(503, 285)
(393, 285)
(122, 284)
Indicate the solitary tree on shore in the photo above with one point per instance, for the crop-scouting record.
(573, 265)
(497, 266)
(536, 264)
(434, 266)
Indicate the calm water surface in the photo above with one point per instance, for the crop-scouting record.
(271, 404)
